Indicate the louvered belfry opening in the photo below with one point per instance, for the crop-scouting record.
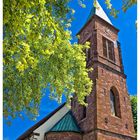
(108, 49)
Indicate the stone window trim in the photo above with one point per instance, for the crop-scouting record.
(108, 49)
(110, 61)
(116, 117)
(116, 104)
(107, 37)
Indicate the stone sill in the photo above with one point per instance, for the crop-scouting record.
(116, 117)
(82, 120)
(109, 60)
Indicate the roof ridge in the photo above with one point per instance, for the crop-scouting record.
(31, 129)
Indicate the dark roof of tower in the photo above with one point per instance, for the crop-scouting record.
(92, 12)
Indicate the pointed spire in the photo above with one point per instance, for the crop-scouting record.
(99, 12)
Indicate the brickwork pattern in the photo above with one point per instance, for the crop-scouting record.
(63, 136)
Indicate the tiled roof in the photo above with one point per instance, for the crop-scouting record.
(66, 124)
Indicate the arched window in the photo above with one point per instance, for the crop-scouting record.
(114, 102)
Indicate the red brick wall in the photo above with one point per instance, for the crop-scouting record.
(63, 136)
(105, 81)
(90, 136)
(101, 136)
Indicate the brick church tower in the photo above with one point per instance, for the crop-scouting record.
(108, 115)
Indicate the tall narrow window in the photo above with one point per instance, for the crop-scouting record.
(104, 47)
(111, 50)
(88, 51)
(73, 103)
(88, 54)
(113, 103)
(84, 110)
(108, 49)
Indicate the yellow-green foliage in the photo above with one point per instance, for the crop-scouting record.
(134, 111)
(38, 54)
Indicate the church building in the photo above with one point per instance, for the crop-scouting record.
(108, 115)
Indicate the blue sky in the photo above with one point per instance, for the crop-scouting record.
(127, 37)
